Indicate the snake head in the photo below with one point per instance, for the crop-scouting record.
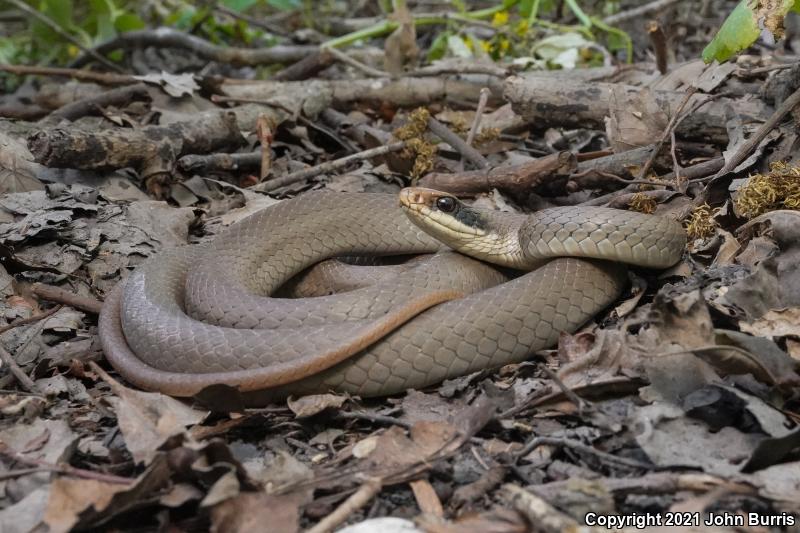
(480, 233)
(442, 215)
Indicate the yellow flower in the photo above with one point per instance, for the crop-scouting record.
(500, 19)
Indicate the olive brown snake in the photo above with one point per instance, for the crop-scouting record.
(201, 315)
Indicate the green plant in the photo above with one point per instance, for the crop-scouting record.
(744, 25)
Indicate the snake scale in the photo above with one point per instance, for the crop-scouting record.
(202, 315)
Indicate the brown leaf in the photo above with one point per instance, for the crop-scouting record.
(70, 498)
(313, 404)
(256, 511)
(634, 122)
(147, 419)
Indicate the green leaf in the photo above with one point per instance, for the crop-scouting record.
(739, 31)
(103, 13)
(284, 5)
(438, 47)
(60, 11)
(128, 22)
(239, 5)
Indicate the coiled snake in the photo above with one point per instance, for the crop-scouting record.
(200, 315)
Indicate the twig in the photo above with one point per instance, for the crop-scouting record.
(57, 294)
(62, 469)
(580, 403)
(659, 42)
(537, 511)
(344, 58)
(47, 21)
(476, 121)
(467, 151)
(171, 38)
(328, 166)
(116, 97)
(748, 146)
(265, 134)
(365, 493)
(372, 417)
(580, 447)
(78, 74)
(203, 163)
(640, 11)
(22, 378)
(29, 320)
(673, 122)
(701, 171)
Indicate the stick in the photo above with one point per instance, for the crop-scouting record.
(29, 320)
(580, 447)
(469, 153)
(62, 469)
(476, 122)
(22, 378)
(352, 504)
(673, 122)
(344, 58)
(57, 294)
(328, 166)
(748, 146)
(83, 75)
(659, 42)
(116, 97)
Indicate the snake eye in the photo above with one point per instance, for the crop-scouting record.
(446, 204)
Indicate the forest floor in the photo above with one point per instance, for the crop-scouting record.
(678, 403)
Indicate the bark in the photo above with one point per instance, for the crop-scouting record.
(402, 92)
(520, 178)
(151, 150)
(587, 104)
(170, 38)
(117, 97)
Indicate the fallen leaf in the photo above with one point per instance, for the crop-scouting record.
(313, 404)
(147, 419)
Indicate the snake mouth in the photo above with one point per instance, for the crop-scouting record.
(442, 214)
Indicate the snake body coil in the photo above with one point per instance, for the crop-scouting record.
(201, 315)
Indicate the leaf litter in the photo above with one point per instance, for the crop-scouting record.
(682, 397)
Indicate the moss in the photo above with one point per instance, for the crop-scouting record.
(642, 203)
(778, 189)
(701, 223)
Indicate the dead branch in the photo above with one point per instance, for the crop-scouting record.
(151, 150)
(748, 146)
(401, 92)
(513, 178)
(29, 320)
(22, 378)
(198, 164)
(170, 38)
(101, 78)
(356, 501)
(659, 41)
(15, 456)
(116, 97)
(457, 143)
(52, 293)
(329, 166)
(545, 103)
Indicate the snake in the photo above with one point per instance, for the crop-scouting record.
(493, 289)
